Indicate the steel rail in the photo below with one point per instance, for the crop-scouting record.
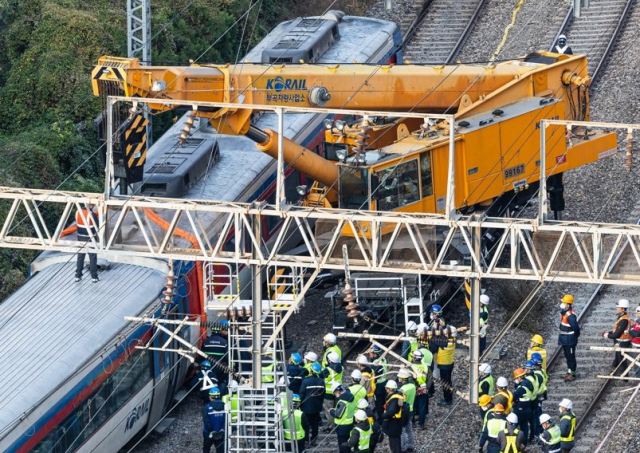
(614, 38)
(415, 24)
(466, 32)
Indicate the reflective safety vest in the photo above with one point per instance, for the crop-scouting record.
(565, 327)
(395, 396)
(231, 404)
(325, 357)
(625, 334)
(413, 344)
(268, 374)
(491, 382)
(554, 443)
(542, 352)
(365, 437)
(427, 359)
(494, 426)
(570, 437)
(421, 371)
(542, 387)
(486, 418)
(446, 356)
(382, 377)
(358, 391)
(512, 442)
(528, 394)
(409, 391)
(506, 394)
(534, 382)
(367, 376)
(298, 431)
(85, 232)
(347, 415)
(333, 377)
(484, 320)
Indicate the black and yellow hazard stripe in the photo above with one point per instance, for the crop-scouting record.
(467, 293)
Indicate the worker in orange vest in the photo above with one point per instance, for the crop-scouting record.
(87, 228)
(620, 333)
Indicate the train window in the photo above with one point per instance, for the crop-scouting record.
(398, 186)
(91, 413)
(425, 173)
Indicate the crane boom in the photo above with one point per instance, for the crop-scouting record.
(465, 89)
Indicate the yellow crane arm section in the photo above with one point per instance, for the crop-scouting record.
(465, 89)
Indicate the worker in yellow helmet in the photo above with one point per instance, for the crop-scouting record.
(536, 346)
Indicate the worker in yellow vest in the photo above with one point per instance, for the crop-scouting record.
(445, 361)
(360, 437)
(329, 342)
(536, 346)
(295, 425)
(511, 439)
(567, 426)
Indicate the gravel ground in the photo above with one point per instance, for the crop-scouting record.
(602, 191)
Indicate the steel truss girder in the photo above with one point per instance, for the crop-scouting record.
(571, 252)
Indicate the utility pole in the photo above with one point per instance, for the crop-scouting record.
(139, 40)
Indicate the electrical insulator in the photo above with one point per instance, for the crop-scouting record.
(186, 131)
(628, 158)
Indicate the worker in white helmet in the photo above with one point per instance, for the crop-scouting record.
(562, 47)
(567, 425)
(511, 438)
(484, 321)
(620, 333)
(329, 343)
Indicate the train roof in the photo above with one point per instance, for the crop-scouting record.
(52, 326)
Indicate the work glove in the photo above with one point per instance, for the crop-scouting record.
(211, 435)
(605, 334)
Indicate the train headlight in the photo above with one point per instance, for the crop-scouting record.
(302, 190)
(360, 159)
(342, 154)
(328, 124)
(340, 125)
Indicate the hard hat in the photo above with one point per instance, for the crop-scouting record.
(566, 403)
(545, 418)
(498, 408)
(362, 360)
(206, 365)
(356, 375)
(376, 349)
(485, 368)
(214, 392)
(333, 357)
(529, 365)
(567, 299)
(404, 373)
(417, 354)
(296, 398)
(435, 308)
(360, 415)
(363, 403)
(233, 386)
(316, 367)
(336, 387)
(623, 303)
(484, 299)
(638, 309)
(484, 400)
(422, 327)
(536, 358)
(330, 338)
(296, 358)
(537, 339)
(224, 324)
(311, 356)
(562, 38)
(502, 382)
(412, 326)
(518, 372)
(512, 418)
(391, 384)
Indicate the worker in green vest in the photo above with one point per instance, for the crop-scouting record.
(356, 388)
(490, 432)
(422, 374)
(551, 436)
(360, 437)
(295, 424)
(230, 401)
(329, 342)
(343, 415)
(486, 386)
(408, 388)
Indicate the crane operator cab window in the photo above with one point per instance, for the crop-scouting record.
(425, 173)
(354, 190)
(398, 185)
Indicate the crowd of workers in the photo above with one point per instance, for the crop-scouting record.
(381, 398)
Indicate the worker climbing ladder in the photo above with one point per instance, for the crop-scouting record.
(256, 422)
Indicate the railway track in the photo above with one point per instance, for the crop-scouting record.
(588, 392)
(596, 31)
(439, 30)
